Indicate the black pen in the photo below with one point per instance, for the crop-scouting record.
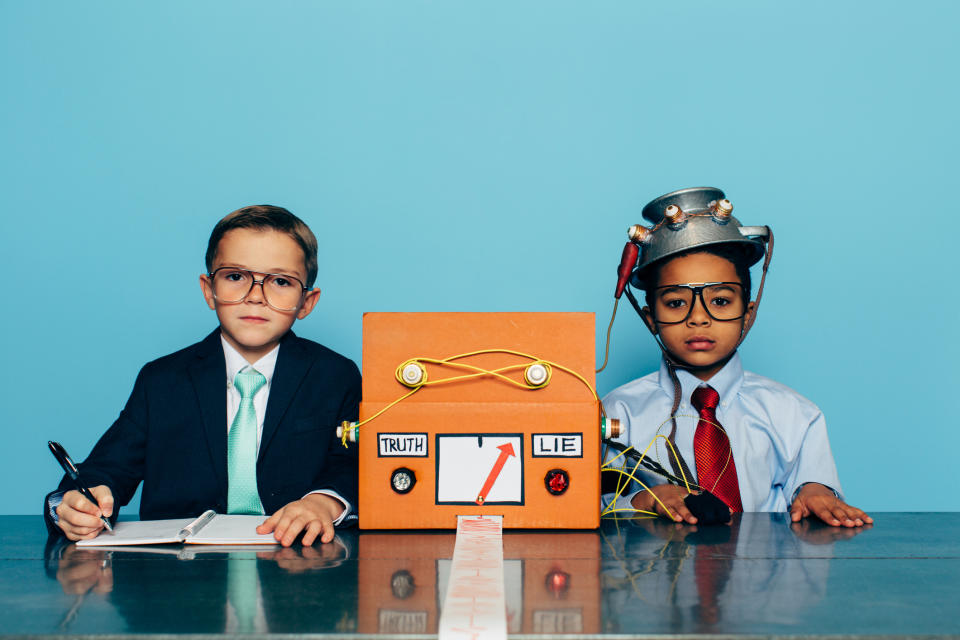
(64, 459)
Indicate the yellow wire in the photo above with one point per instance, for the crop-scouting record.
(611, 509)
(631, 476)
(676, 457)
(477, 372)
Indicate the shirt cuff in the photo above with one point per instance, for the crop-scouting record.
(333, 494)
(53, 501)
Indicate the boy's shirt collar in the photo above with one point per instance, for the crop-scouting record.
(726, 382)
(236, 362)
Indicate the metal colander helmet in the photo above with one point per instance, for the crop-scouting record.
(689, 219)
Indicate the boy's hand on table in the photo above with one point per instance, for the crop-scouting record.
(671, 496)
(817, 500)
(79, 518)
(313, 515)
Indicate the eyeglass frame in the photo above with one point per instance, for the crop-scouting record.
(697, 288)
(254, 282)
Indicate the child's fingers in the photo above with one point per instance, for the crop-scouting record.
(291, 528)
(851, 515)
(105, 497)
(831, 516)
(74, 500)
(859, 514)
(280, 525)
(314, 528)
(798, 511)
(270, 523)
(77, 524)
(678, 510)
(685, 513)
(327, 531)
(846, 515)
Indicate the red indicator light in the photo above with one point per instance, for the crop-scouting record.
(557, 481)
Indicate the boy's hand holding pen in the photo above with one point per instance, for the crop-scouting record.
(83, 512)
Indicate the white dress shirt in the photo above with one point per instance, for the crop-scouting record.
(778, 437)
(266, 366)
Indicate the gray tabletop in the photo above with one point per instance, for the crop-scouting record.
(761, 576)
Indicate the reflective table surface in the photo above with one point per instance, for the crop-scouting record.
(760, 576)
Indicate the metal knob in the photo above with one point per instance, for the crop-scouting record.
(536, 375)
(412, 374)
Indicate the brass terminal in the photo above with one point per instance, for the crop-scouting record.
(674, 214)
(723, 209)
(351, 429)
(610, 428)
(638, 234)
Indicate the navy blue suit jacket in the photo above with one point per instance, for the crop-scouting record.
(172, 434)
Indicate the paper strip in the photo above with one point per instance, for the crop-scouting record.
(474, 607)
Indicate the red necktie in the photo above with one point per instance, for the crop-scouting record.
(716, 471)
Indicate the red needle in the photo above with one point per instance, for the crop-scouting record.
(506, 450)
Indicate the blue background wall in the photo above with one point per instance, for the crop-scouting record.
(438, 148)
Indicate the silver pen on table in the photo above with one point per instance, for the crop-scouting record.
(197, 524)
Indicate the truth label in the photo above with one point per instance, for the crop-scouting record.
(407, 445)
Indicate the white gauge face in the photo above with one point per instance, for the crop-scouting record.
(479, 468)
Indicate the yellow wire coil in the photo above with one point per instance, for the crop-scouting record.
(473, 372)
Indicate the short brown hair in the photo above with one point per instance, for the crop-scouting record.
(265, 216)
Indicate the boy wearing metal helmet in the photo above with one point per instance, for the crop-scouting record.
(714, 428)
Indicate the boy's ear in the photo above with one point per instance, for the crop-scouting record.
(648, 320)
(309, 302)
(748, 316)
(207, 289)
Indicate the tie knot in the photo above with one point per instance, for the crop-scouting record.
(705, 398)
(248, 382)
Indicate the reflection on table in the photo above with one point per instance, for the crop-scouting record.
(760, 575)
(216, 589)
(717, 579)
(551, 582)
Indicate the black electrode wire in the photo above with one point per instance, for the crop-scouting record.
(647, 463)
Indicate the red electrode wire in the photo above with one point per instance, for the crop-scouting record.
(628, 260)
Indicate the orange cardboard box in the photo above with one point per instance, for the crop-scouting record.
(480, 445)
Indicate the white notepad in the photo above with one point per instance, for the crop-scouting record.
(210, 528)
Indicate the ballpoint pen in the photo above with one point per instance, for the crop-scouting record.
(64, 459)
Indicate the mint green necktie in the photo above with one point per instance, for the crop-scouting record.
(242, 496)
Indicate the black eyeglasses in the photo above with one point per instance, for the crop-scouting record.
(723, 301)
(232, 284)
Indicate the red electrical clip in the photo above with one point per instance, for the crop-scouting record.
(627, 261)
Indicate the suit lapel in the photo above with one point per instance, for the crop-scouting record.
(292, 366)
(209, 374)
